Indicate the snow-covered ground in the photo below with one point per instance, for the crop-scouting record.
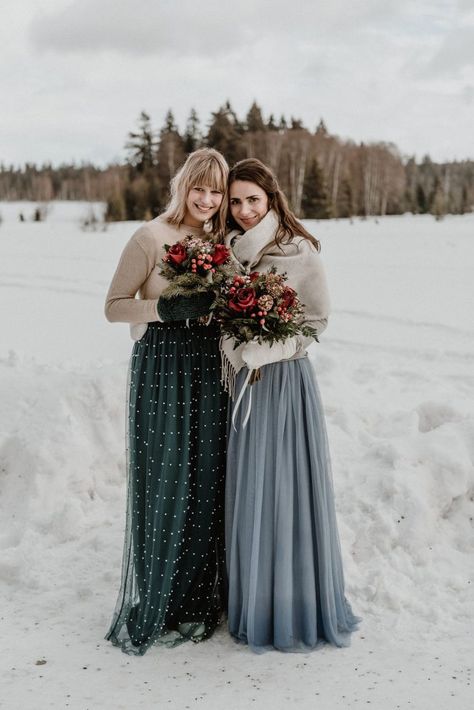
(396, 371)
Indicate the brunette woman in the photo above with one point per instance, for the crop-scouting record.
(173, 562)
(286, 585)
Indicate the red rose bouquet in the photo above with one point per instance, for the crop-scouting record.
(260, 306)
(195, 269)
(195, 262)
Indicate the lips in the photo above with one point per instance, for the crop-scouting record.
(203, 209)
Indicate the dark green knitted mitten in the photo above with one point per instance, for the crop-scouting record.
(184, 307)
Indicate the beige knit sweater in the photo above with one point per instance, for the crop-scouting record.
(138, 272)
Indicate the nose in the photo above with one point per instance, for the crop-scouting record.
(206, 198)
(245, 209)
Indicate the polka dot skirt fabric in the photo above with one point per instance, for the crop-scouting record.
(173, 572)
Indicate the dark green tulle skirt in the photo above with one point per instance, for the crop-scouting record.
(173, 573)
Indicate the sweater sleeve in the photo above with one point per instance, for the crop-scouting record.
(135, 266)
(309, 281)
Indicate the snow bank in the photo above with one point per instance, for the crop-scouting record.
(395, 370)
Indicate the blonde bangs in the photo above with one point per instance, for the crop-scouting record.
(210, 174)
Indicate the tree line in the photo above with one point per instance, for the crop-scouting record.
(322, 175)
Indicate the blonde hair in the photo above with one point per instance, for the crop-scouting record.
(205, 166)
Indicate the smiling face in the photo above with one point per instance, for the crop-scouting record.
(248, 203)
(202, 203)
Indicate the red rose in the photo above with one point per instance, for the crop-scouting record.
(254, 276)
(177, 253)
(220, 254)
(243, 299)
(288, 297)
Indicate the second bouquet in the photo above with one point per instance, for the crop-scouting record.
(260, 307)
(195, 269)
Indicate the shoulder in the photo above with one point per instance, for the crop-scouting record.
(302, 260)
(160, 228)
(304, 245)
(297, 247)
(155, 234)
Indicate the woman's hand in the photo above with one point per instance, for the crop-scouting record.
(256, 354)
(184, 307)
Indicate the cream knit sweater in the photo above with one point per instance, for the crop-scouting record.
(138, 272)
(297, 258)
(300, 261)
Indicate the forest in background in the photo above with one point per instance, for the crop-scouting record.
(322, 175)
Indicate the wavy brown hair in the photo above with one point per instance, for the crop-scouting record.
(253, 170)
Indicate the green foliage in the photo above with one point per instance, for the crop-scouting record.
(140, 199)
(193, 135)
(141, 145)
(183, 285)
(271, 125)
(254, 120)
(315, 202)
(260, 306)
(348, 179)
(115, 210)
(345, 200)
(296, 124)
(225, 133)
(421, 200)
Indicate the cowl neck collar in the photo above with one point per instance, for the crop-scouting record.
(247, 247)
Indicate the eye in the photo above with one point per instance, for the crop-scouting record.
(216, 192)
(234, 201)
(198, 189)
(253, 199)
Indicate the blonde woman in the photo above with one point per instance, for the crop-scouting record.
(173, 563)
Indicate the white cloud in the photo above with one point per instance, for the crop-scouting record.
(210, 28)
(144, 28)
(455, 54)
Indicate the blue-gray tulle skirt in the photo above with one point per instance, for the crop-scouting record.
(286, 582)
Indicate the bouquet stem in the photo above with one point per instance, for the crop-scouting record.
(255, 376)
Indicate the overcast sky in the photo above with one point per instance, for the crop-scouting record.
(75, 74)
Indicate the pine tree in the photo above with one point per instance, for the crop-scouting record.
(321, 129)
(192, 135)
(296, 124)
(465, 206)
(169, 157)
(254, 121)
(141, 145)
(345, 199)
(271, 125)
(421, 201)
(232, 116)
(315, 202)
(225, 134)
